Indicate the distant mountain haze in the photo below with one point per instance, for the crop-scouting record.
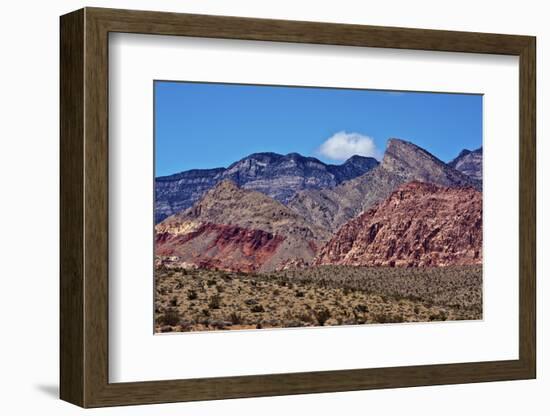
(277, 176)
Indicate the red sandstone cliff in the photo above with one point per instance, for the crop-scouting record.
(420, 224)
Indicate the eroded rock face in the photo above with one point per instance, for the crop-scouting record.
(235, 229)
(403, 162)
(218, 246)
(420, 224)
(178, 192)
(275, 175)
(470, 163)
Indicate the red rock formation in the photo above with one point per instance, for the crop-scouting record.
(245, 226)
(420, 224)
(226, 247)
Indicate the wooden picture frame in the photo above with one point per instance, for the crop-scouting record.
(84, 207)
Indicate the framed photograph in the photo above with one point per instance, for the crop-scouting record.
(255, 207)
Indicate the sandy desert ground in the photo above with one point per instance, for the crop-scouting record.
(207, 300)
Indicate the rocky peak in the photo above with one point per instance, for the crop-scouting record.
(411, 162)
(225, 187)
(363, 163)
(359, 160)
(401, 154)
(470, 163)
(353, 167)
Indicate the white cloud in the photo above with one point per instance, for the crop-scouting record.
(343, 145)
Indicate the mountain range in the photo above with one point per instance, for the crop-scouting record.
(277, 176)
(268, 212)
(402, 162)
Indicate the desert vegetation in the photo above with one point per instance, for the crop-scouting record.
(205, 300)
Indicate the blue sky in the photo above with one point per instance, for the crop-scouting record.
(200, 125)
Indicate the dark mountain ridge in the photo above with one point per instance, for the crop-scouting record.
(275, 175)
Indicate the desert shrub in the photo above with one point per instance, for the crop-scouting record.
(214, 302)
(362, 308)
(257, 309)
(170, 317)
(211, 282)
(441, 316)
(383, 318)
(173, 301)
(299, 294)
(236, 318)
(185, 326)
(380, 318)
(192, 294)
(397, 319)
(322, 315)
(416, 310)
(219, 324)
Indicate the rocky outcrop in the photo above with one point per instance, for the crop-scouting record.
(420, 224)
(275, 175)
(217, 246)
(249, 229)
(402, 162)
(470, 163)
